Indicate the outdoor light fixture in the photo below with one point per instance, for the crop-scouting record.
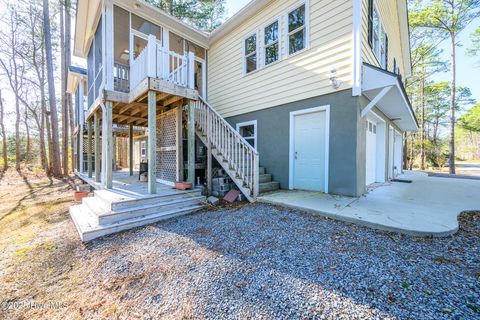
(334, 81)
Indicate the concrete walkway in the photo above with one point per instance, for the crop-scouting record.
(427, 206)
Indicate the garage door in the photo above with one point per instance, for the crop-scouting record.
(371, 152)
(309, 147)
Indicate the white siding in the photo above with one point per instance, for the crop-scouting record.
(294, 78)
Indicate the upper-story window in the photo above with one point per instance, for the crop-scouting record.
(95, 65)
(271, 43)
(378, 37)
(251, 53)
(297, 32)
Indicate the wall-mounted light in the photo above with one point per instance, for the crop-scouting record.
(334, 81)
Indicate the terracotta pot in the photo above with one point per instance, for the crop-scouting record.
(79, 195)
(182, 185)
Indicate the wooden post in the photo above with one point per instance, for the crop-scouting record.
(191, 70)
(109, 144)
(179, 144)
(89, 150)
(114, 155)
(209, 167)
(97, 146)
(152, 142)
(130, 148)
(191, 143)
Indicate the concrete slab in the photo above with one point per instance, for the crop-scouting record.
(427, 206)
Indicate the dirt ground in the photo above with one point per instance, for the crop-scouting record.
(191, 267)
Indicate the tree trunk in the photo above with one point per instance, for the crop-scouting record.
(452, 106)
(422, 120)
(4, 136)
(56, 169)
(68, 62)
(62, 94)
(28, 153)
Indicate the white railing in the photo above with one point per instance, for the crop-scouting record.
(139, 68)
(242, 158)
(157, 62)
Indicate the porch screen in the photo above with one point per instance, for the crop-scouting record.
(167, 155)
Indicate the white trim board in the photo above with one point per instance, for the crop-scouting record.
(325, 108)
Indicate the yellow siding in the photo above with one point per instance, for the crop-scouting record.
(291, 79)
(387, 9)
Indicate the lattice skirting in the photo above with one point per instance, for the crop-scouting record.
(167, 151)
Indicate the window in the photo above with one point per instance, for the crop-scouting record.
(379, 41)
(248, 130)
(297, 30)
(271, 43)
(251, 53)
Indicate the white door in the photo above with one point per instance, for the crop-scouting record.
(398, 154)
(309, 149)
(390, 153)
(371, 153)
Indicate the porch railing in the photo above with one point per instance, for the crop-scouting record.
(156, 62)
(121, 77)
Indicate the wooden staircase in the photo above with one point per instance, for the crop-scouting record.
(236, 156)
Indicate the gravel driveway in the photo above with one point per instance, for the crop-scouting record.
(267, 262)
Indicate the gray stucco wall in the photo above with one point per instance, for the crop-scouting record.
(347, 140)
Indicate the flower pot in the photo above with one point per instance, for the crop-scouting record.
(182, 185)
(79, 195)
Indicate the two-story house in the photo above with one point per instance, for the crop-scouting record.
(311, 91)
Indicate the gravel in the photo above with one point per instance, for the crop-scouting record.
(262, 261)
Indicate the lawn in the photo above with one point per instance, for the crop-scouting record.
(250, 261)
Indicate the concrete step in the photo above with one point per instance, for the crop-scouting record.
(266, 177)
(114, 201)
(89, 229)
(268, 186)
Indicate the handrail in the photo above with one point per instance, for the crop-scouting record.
(242, 158)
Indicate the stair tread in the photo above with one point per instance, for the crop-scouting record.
(86, 224)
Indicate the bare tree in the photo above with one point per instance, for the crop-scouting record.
(56, 169)
(4, 136)
(68, 52)
(9, 41)
(63, 93)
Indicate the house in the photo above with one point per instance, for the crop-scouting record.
(310, 91)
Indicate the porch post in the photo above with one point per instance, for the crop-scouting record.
(152, 141)
(115, 146)
(97, 146)
(89, 150)
(130, 148)
(191, 143)
(109, 144)
(179, 143)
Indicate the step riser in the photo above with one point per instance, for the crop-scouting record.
(265, 178)
(87, 236)
(114, 206)
(269, 186)
(148, 210)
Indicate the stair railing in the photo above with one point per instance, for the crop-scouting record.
(242, 158)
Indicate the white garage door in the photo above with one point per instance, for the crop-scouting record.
(309, 151)
(371, 152)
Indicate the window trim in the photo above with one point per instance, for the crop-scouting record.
(305, 27)
(245, 56)
(249, 123)
(264, 46)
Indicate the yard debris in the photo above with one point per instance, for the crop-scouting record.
(231, 196)
(213, 200)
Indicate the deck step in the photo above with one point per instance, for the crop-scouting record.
(113, 201)
(89, 229)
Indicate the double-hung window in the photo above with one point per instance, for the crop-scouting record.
(297, 33)
(271, 44)
(251, 53)
(379, 39)
(248, 130)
